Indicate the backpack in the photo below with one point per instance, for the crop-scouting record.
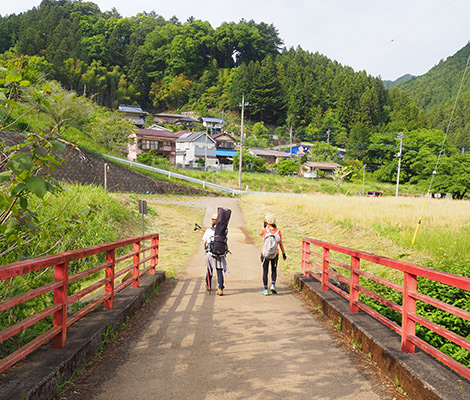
(218, 247)
(271, 241)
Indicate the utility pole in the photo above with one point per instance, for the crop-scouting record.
(363, 179)
(242, 105)
(290, 141)
(400, 136)
(205, 154)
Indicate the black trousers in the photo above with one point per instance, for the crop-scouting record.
(273, 262)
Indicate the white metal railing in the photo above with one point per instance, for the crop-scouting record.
(204, 184)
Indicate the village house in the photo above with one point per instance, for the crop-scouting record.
(271, 156)
(213, 125)
(310, 169)
(191, 146)
(135, 114)
(174, 119)
(161, 141)
(225, 149)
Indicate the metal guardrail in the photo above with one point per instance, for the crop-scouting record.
(60, 287)
(171, 174)
(356, 293)
(204, 184)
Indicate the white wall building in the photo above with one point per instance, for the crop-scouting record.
(193, 145)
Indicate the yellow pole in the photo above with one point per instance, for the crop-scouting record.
(420, 218)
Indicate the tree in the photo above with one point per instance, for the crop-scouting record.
(453, 176)
(287, 167)
(25, 169)
(321, 151)
(250, 163)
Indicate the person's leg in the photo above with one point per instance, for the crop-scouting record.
(265, 274)
(274, 274)
(220, 278)
(274, 269)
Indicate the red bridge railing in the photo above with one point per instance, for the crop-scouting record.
(410, 295)
(60, 287)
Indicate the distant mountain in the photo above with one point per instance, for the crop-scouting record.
(435, 92)
(396, 82)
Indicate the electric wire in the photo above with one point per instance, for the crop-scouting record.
(434, 172)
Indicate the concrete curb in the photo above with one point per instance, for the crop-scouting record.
(418, 374)
(40, 374)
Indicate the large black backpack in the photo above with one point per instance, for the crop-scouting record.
(219, 245)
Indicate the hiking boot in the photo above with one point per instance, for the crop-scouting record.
(220, 292)
(273, 289)
(265, 292)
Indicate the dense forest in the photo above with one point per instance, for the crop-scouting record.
(436, 91)
(169, 65)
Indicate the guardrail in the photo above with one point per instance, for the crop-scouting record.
(410, 295)
(60, 288)
(204, 184)
(171, 174)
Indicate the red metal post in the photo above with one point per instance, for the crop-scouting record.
(325, 275)
(154, 254)
(408, 326)
(305, 257)
(109, 286)
(135, 270)
(353, 292)
(61, 297)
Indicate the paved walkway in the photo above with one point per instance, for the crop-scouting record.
(239, 346)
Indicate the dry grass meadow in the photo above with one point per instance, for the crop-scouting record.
(383, 226)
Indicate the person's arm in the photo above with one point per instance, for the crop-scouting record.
(281, 245)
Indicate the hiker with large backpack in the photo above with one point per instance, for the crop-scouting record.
(270, 254)
(215, 246)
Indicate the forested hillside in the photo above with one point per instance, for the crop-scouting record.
(169, 65)
(436, 91)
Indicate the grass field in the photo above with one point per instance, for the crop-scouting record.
(383, 226)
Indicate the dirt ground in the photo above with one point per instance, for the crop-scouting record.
(186, 343)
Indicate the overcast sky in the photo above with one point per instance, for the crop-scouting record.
(389, 38)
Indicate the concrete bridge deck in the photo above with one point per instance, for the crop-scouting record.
(187, 344)
(241, 345)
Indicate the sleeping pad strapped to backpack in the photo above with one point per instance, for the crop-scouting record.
(219, 245)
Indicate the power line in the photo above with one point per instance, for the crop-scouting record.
(434, 172)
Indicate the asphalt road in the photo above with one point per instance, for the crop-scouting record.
(242, 345)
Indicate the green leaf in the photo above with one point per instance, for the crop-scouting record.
(13, 77)
(5, 176)
(17, 189)
(58, 145)
(37, 185)
(20, 163)
(3, 97)
(25, 83)
(23, 203)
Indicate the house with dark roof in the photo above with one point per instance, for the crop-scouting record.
(135, 114)
(161, 141)
(174, 119)
(213, 125)
(271, 156)
(310, 169)
(191, 146)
